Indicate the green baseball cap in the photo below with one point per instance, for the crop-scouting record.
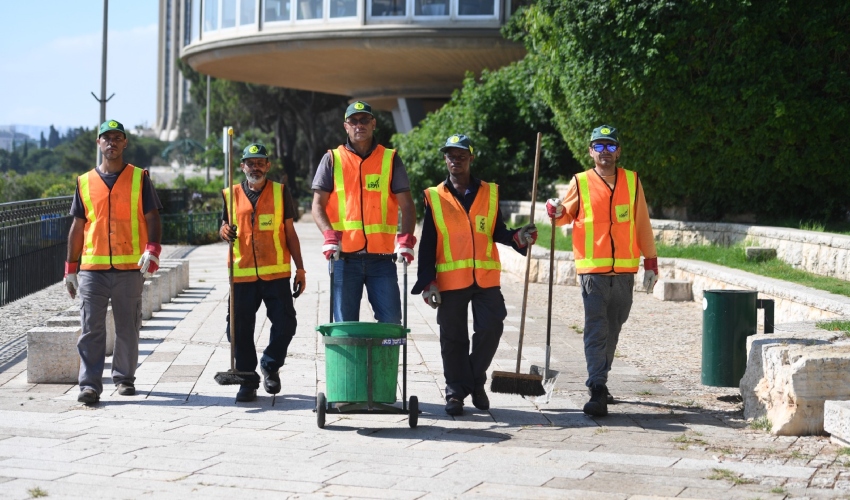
(459, 141)
(255, 150)
(604, 132)
(109, 125)
(357, 107)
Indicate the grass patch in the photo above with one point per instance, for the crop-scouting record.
(798, 455)
(36, 492)
(653, 380)
(544, 237)
(718, 474)
(579, 330)
(724, 450)
(734, 258)
(779, 490)
(835, 326)
(844, 451)
(602, 430)
(762, 424)
(645, 393)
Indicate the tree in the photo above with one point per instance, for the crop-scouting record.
(53, 138)
(724, 106)
(501, 116)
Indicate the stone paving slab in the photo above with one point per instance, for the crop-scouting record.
(183, 435)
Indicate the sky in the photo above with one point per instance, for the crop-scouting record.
(50, 62)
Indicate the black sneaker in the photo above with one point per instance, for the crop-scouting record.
(480, 399)
(246, 394)
(88, 396)
(454, 407)
(271, 381)
(126, 389)
(598, 404)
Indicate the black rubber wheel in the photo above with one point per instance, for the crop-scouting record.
(321, 408)
(413, 406)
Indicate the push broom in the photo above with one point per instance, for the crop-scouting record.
(232, 376)
(516, 382)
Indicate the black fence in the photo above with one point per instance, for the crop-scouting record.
(190, 229)
(33, 244)
(174, 201)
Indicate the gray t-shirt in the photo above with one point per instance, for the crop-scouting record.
(324, 179)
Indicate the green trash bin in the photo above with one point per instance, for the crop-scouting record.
(348, 348)
(728, 318)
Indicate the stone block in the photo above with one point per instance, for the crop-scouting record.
(148, 293)
(52, 356)
(163, 276)
(519, 220)
(173, 279)
(69, 319)
(760, 254)
(836, 421)
(183, 265)
(790, 375)
(673, 290)
(153, 294)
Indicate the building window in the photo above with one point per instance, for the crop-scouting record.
(309, 9)
(247, 9)
(343, 8)
(210, 15)
(276, 10)
(476, 7)
(228, 14)
(196, 19)
(432, 7)
(388, 8)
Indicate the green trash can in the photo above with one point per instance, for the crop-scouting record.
(350, 348)
(728, 318)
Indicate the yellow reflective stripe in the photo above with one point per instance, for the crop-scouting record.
(135, 193)
(85, 194)
(347, 225)
(626, 262)
(278, 222)
(491, 216)
(467, 263)
(261, 271)
(386, 169)
(585, 263)
(339, 187)
(584, 189)
(380, 228)
(631, 178)
(437, 209)
(237, 253)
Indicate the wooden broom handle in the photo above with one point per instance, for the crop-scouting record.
(528, 255)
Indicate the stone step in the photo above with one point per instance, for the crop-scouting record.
(836, 421)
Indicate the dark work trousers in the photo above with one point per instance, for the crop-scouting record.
(464, 371)
(277, 297)
(607, 303)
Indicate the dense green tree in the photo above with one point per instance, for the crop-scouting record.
(501, 116)
(725, 106)
(53, 138)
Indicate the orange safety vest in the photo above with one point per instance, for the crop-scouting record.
(362, 205)
(116, 230)
(261, 252)
(604, 234)
(465, 250)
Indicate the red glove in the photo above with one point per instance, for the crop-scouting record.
(331, 246)
(554, 209)
(149, 262)
(526, 235)
(404, 247)
(431, 295)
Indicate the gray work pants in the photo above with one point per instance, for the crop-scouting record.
(97, 288)
(607, 302)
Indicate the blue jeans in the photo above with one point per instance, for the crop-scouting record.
(379, 275)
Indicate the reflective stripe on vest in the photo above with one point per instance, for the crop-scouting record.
(605, 213)
(261, 262)
(482, 262)
(111, 250)
(347, 211)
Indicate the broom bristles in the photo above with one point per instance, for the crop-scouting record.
(517, 383)
(235, 378)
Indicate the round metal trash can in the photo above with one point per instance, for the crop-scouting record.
(728, 318)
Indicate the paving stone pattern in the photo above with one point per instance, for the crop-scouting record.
(184, 436)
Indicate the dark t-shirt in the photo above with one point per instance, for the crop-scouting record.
(289, 208)
(150, 200)
(324, 178)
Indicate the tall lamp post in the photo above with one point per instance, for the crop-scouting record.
(103, 99)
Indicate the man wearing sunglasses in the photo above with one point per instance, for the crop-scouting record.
(358, 190)
(611, 230)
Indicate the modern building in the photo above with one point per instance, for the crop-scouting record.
(404, 56)
(172, 88)
(11, 139)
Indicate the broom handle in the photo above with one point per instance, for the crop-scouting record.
(528, 256)
(549, 312)
(228, 161)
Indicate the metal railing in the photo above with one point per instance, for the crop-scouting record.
(190, 229)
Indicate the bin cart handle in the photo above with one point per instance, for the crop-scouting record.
(767, 305)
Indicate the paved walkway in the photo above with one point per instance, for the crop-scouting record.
(183, 435)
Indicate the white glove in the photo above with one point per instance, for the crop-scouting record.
(431, 295)
(72, 284)
(554, 209)
(649, 279)
(148, 262)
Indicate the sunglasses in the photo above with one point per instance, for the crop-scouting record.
(602, 147)
(366, 120)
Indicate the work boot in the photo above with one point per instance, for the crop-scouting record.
(480, 399)
(88, 396)
(246, 394)
(598, 404)
(609, 398)
(271, 381)
(454, 407)
(126, 389)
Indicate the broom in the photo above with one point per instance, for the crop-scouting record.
(232, 376)
(516, 382)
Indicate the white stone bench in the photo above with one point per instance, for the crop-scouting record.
(183, 266)
(52, 356)
(836, 421)
(73, 312)
(673, 290)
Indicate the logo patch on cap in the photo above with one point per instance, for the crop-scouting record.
(253, 149)
(358, 105)
(454, 139)
(605, 130)
(113, 123)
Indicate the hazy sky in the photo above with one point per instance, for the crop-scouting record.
(50, 62)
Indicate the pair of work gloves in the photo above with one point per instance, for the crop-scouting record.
(554, 209)
(148, 264)
(403, 246)
(228, 234)
(524, 236)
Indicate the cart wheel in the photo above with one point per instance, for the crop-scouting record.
(413, 406)
(321, 407)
